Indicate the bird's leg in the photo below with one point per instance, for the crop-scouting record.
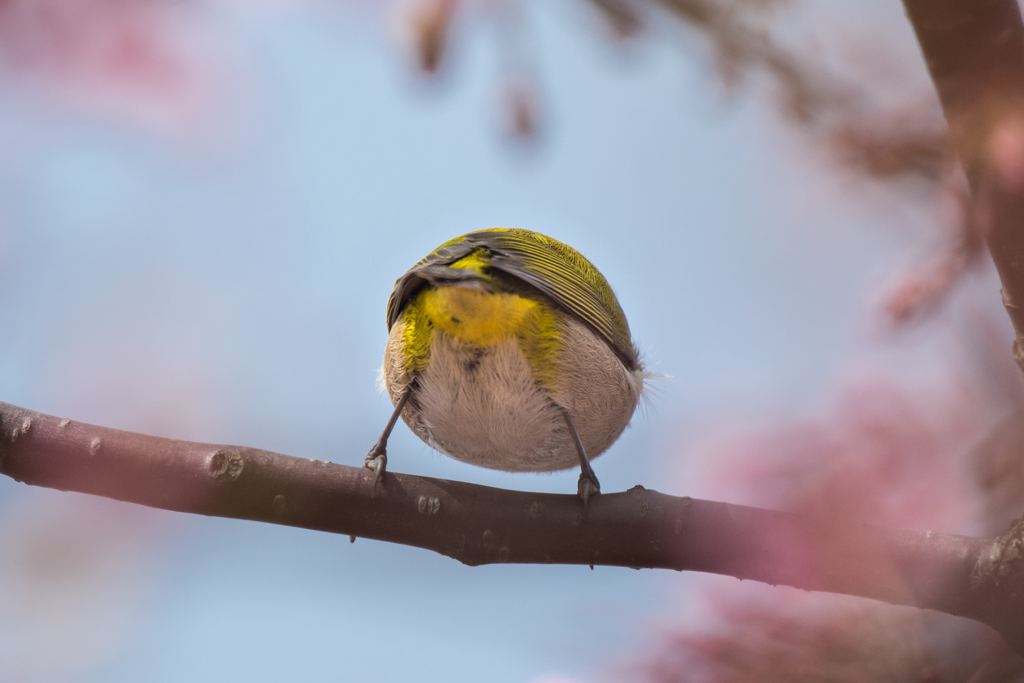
(588, 484)
(377, 458)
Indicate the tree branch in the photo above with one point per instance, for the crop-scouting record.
(976, 578)
(974, 50)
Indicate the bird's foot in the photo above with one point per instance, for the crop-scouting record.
(377, 460)
(588, 486)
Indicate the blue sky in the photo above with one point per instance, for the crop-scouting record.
(236, 295)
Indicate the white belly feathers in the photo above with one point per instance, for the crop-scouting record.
(482, 406)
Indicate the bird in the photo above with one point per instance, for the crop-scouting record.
(508, 349)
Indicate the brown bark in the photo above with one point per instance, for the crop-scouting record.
(972, 577)
(974, 50)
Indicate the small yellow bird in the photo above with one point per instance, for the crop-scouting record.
(507, 349)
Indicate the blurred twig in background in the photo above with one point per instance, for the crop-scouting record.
(869, 127)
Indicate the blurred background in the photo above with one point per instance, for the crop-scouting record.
(204, 205)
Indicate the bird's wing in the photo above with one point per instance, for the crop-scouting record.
(406, 286)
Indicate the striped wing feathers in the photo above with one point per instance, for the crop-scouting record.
(553, 267)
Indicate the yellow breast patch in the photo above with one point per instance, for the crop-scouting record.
(481, 319)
